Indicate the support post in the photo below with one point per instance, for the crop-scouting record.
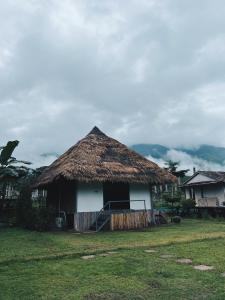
(152, 206)
(145, 204)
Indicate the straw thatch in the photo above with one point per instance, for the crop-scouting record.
(100, 158)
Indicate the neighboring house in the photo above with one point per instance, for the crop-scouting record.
(38, 193)
(38, 198)
(11, 192)
(206, 188)
(99, 179)
(10, 197)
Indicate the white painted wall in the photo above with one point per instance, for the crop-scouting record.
(209, 191)
(212, 191)
(140, 192)
(199, 178)
(89, 197)
(198, 194)
(187, 193)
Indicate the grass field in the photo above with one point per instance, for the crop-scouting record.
(49, 265)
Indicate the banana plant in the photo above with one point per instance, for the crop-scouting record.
(9, 168)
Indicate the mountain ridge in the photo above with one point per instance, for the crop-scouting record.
(204, 152)
(205, 157)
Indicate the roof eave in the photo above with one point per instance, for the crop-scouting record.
(202, 183)
(152, 181)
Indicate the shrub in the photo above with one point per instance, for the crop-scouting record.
(39, 219)
(33, 218)
(42, 219)
(204, 214)
(176, 219)
(187, 206)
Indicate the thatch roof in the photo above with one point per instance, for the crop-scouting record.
(100, 158)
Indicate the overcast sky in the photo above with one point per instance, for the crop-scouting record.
(143, 71)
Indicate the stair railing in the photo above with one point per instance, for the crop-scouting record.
(102, 212)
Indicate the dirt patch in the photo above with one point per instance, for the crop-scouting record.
(167, 256)
(112, 295)
(186, 261)
(86, 257)
(223, 274)
(203, 268)
(150, 251)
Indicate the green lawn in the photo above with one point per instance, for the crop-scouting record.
(49, 265)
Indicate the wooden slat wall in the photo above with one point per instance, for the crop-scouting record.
(83, 220)
(119, 221)
(130, 220)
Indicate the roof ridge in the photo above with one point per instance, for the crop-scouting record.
(95, 130)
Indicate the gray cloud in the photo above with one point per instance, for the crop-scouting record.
(187, 162)
(144, 71)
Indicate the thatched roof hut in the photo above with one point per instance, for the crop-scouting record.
(100, 158)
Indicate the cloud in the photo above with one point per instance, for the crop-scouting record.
(144, 71)
(187, 162)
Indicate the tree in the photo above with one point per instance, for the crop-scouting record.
(10, 171)
(173, 201)
(174, 197)
(29, 215)
(172, 167)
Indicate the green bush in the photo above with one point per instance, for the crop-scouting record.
(39, 219)
(204, 214)
(188, 204)
(187, 207)
(176, 220)
(33, 218)
(42, 220)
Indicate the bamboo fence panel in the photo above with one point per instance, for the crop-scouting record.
(130, 220)
(84, 220)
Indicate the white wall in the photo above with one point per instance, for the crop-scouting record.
(209, 191)
(198, 193)
(187, 194)
(140, 192)
(89, 197)
(213, 191)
